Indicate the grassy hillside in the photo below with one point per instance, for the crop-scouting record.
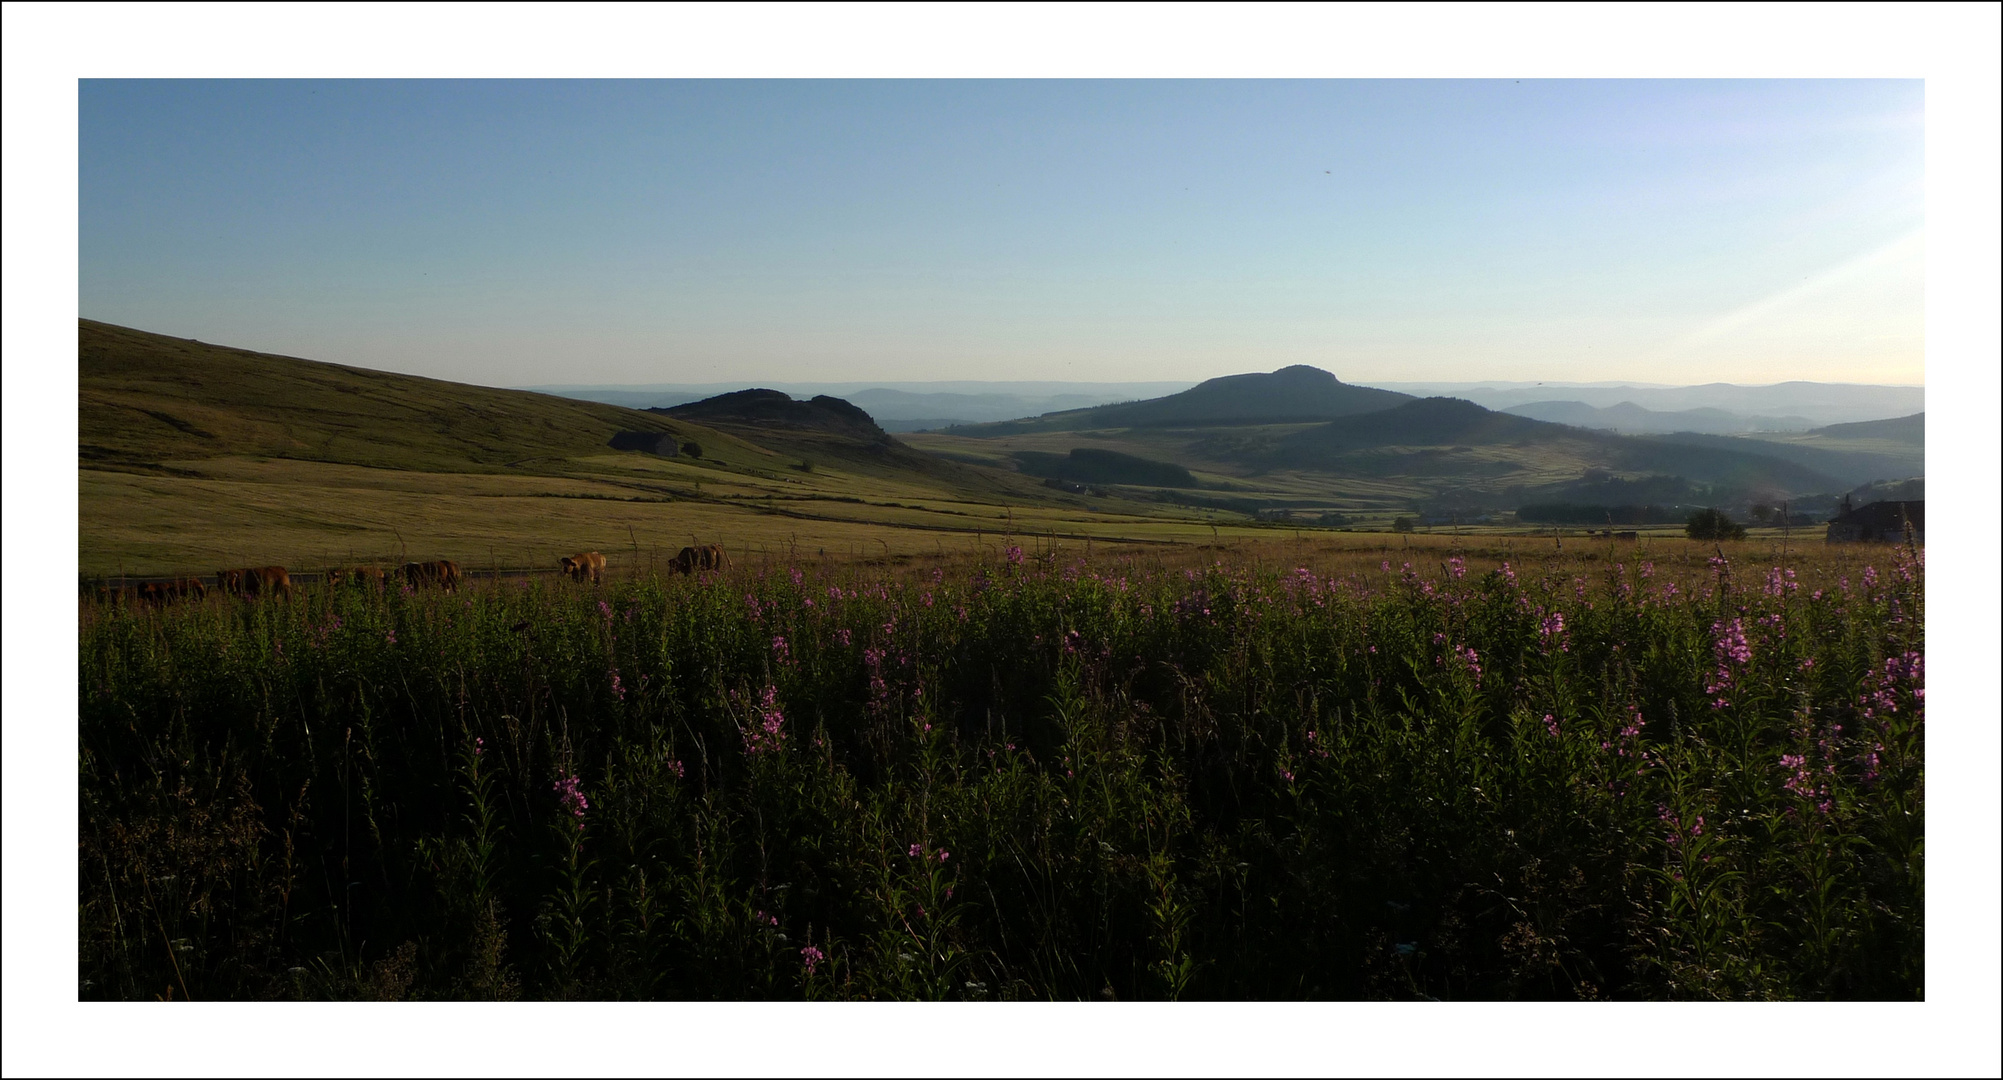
(192, 456)
(146, 398)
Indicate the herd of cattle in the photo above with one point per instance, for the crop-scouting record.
(256, 581)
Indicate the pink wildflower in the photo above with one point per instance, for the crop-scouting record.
(572, 796)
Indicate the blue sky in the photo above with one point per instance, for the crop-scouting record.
(513, 233)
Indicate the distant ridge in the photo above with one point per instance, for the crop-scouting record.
(1905, 429)
(1297, 394)
(1632, 419)
(1452, 422)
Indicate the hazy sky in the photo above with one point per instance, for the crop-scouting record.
(513, 233)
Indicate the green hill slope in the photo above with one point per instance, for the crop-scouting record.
(147, 398)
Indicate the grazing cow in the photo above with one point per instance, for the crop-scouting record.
(589, 564)
(367, 576)
(161, 593)
(443, 573)
(706, 557)
(255, 581)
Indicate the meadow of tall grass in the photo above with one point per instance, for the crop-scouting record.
(1427, 774)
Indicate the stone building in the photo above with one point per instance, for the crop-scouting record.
(1882, 522)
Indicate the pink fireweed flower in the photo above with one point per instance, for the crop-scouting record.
(1552, 628)
(943, 854)
(1633, 729)
(605, 610)
(1551, 725)
(572, 796)
(769, 730)
(479, 747)
(390, 637)
(812, 958)
(915, 851)
(1730, 645)
(674, 765)
(618, 690)
(1013, 554)
(780, 649)
(1457, 567)
(844, 637)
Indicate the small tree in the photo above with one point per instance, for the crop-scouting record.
(1403, 524)
(692, 449)
(1712, 524)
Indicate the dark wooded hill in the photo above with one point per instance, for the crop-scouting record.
(774, 409)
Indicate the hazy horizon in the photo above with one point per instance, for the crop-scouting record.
(614, 232)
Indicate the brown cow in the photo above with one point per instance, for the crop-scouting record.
(161, 593)
(443, 572)
(706, 557)
(255, 581)
(370, 577)
(589, 564)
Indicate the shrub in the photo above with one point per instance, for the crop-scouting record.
(1403, 524)
(1712, 524)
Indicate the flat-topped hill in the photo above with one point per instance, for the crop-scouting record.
(1294, 394)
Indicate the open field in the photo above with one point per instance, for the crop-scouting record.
(313, 515)
(1474, 768)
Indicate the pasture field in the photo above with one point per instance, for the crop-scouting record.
(1474, 768)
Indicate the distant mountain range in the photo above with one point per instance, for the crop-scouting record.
(1816, 403)
(1631, 419)
(901, 406)
(1278, 430)
(1713, 409)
